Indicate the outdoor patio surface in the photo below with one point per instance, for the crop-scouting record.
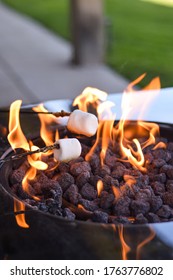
(35, 64)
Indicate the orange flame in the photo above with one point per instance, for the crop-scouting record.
(116, 192)
(20, 218)
(125, 248)
(99, 187)
(17, 140)
(36, 164)
(160, 145)
(89, 96)
(46, 120)
(144, 242)
(132, 149)
(130, 180)
(16, 137)
(80, 206)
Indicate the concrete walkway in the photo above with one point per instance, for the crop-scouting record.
(35, 64)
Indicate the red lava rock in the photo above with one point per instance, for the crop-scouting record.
(100, 217)
(88, 192)
(164, 211)
(118, 173)
(168, 198)
(155, 203)
(64, 179)
(72, 194)
(68, 214)
(153, 218)
(79, 167)
(158, 188)
(94, 161)
(139, 206)
(169, 186)
(63, 167)
(122, 206)
(106, 200)
(159, 162)
(141, 219)
(83, 178)
(89, 205)
(17, 176)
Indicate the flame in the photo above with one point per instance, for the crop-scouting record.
(99, 187)
(36, 164)
(89, 96)
(16, 137)
(125, 248)
(144, 242)
(160, 145)
(46, 120)
(131, 149)
(104, 110)
(17, 140)
(20, 218)
(3, 130)
(98, 137)
(130, 180)
(80, 206)
(116, 192)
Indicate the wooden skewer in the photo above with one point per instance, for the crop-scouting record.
(62, 113)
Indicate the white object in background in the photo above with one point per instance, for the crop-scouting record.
(69, 148)
(82, 123)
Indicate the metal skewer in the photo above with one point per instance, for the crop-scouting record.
(28, 153)
(62, 113)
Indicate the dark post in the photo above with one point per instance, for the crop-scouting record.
(87, 31)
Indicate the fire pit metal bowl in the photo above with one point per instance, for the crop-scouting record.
(52, 237)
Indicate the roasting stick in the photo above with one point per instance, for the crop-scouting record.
(64, 150)
(28, 153)
(62, 113)
(78, 122)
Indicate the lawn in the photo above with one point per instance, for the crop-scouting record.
(139, 34)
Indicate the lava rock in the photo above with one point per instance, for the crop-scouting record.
(72, 194)
(140, 207)
(153, 218)
(141, 219)
(164, 211)
(64, 179)
(79, 167)
(88, 192)
(106, 200)
(68, 214)
(90, 205)
(167, 198)
(158, 187)
(100, 217)
(155, 203)
(83, 178)
(17, 176)
(121, 207)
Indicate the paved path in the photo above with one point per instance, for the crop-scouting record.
(35, 64)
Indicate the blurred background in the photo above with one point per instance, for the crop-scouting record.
(129, 37)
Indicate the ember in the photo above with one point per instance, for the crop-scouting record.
(123, 174)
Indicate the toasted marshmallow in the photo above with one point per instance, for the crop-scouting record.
(69, 148)
(82, 123)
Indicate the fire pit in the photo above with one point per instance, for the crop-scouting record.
(59, 238)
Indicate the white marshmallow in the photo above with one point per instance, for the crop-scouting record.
(62, 120)
(69, 148)
(82, 123)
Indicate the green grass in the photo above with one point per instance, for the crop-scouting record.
(140, 37)
(54, 14)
